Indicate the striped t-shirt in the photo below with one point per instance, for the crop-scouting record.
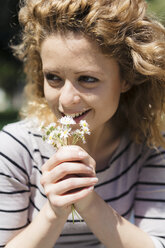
(132, 182)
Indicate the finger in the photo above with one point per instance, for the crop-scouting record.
(69, 199)
(60, 171)
(69, 153)
(74, 183)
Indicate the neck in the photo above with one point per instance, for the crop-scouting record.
(101, 140)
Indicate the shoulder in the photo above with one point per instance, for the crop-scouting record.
(16, 130)
(22, 133)
(139, 154)
(16, 147)
(22, 128)
(15, 136)
(23, 141)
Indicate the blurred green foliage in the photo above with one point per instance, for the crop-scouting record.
(158, 8)
(10, 74)
(8, 116)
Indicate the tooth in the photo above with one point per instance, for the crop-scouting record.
(72, 115)
(77, 114)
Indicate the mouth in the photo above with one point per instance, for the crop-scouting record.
(78, 116)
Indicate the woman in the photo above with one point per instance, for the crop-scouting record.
(103, 62)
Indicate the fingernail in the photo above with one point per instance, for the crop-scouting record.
(82, 154)
(94, 180)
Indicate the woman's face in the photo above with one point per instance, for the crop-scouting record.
(79, 80)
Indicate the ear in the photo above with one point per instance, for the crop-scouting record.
(125, 86)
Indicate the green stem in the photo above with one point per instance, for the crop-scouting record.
(75, 140)
(75, 212)
(73, 209)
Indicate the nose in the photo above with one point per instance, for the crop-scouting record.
(69, 95)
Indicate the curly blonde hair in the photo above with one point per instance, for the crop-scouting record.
(122, 29)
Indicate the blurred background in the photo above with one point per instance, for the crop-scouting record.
(12, 79)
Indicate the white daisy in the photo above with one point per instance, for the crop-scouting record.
(84, 127)
(67, 120)
(83, 123)
(51, 126)
(79, 134)
(41, 127)
(65, 133)
(50, 140)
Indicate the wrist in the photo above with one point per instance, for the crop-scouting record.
(52, 216)
(83, 206)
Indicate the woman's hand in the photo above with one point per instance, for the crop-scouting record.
(68, 176)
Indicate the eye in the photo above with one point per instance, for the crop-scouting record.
(88, 79)
(52, 79)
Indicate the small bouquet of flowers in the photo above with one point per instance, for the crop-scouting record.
(62, 135)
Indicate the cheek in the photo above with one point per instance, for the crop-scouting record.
(110, 99)
(50, 95)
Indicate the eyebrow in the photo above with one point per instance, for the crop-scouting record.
(86, 72)
(49, 71)
(45, 70)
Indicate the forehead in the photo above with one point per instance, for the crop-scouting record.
(73, 42)
(74, 51)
